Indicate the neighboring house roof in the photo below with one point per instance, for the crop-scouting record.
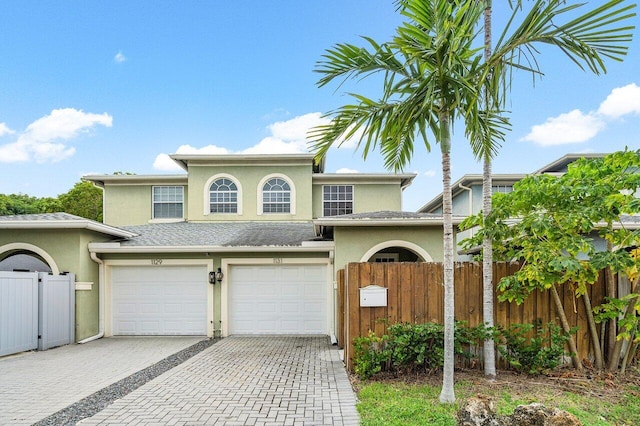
(465, 182)
(60, 221)
(217, 236)
(560, 165)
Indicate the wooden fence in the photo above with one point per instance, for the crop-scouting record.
(415, 295)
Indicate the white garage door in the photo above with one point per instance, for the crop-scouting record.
(162, 300)
(278, 299)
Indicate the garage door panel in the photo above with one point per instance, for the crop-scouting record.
(159, 301)
(277, 299)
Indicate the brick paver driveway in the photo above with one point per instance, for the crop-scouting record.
(34, 385)
(280, 380)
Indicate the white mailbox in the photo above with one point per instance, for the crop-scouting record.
(372, 296)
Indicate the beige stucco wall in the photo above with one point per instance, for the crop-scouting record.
(366, 197)
(248, 177)
(132, 204)
(68, 248)
(352, 243)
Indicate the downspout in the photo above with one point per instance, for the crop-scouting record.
(100, 334)
(334, 293)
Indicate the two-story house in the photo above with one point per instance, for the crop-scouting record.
(238, 244)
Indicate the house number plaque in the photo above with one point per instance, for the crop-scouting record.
(156, 261)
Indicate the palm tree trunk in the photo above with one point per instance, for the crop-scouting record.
(489, 350)
(447, 394)
(565, 326)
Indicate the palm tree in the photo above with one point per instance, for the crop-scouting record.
(489, 348)
(433, 76)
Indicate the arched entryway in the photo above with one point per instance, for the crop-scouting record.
(24, 257)
(396, 251)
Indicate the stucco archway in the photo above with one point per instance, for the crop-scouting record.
(26, 248)
(419, 251)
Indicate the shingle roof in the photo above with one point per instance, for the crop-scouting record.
(388, 214)
(41, 217)
(221, 234)
(59, 221)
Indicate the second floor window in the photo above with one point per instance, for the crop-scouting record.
(337, 200)
(168, 202)
(276, 196)
(223, 196)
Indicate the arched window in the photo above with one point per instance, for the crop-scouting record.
(276, 196)
(223, 196)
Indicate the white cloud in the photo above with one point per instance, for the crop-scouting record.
(287, 137)
(119, 58)
(429, 173)
(41, 140)
(572, 127)
(164, 163)
(576, 126)
(621, 101)
(5, 130)
(205, 150)
(346, 170)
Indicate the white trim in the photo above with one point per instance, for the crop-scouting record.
(426, 221)
(154, 202)
(153, 263)
(207, 190)
(426, 257)
(352, 200)
(66, 224)
(30, 247)
(292, 205)
(116, 248)
(227, 263)
(84, 285)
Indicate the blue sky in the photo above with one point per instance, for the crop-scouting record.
(99, 87)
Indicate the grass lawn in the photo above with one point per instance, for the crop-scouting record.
(596, 400)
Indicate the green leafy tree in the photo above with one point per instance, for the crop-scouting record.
(84, 200)
(13, 204)
(434, 75)
(549, 224)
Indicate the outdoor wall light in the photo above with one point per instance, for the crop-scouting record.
(216, 276)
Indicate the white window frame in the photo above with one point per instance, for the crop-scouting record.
(154, 202)
(292, 193)
(337, 201)
(207, 191)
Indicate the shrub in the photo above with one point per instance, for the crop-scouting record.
(541, 352)
(410, 347)
(416, 346)
(370, 355)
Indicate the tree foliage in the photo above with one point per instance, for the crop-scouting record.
(84, 200)
(550, 224)
(12, 204)
(559, 228)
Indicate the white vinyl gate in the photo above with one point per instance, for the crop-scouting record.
(37, 311)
